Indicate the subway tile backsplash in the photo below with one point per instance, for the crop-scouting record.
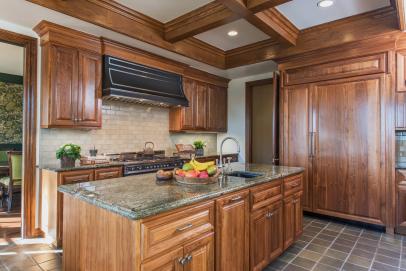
(400, 147)
(126, 127)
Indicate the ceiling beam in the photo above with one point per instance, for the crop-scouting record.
(269, 21)
(198, 21)
(399, 5)
(262, 14)
(377, 23)
(260, 5)
(121, 19)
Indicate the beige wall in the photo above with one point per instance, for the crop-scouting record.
(126, 127)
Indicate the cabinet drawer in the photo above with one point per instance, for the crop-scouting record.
(292, 184)
(337, 69)
(265, 194)
(77, 176)
(107, 173)
(164, 232)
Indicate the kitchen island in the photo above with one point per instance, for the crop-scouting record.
(137, 223)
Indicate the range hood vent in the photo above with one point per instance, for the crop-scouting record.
(131, 82)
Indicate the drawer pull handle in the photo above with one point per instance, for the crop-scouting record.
(295, 201)
(236, 199)
(187, 226)
(294, 185)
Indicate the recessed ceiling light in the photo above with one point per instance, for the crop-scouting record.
(325, 3)
(232, 33)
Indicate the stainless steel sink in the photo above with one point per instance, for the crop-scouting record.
(245, 174)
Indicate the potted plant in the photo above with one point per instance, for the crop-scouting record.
(68, 154)
(199, 147)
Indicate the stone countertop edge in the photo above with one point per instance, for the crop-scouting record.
(141, 213)
(57, 168)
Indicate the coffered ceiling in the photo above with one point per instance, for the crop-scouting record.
(164, 10)
(305, 13)
(247, 34)
(267, 29)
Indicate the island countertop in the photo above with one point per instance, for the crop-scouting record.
(140, 196)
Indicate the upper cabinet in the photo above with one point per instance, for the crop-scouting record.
(207, 109)
(71, 78)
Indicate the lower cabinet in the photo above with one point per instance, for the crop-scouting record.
(266, 238)
(401, 202)
(197, 255)
(293, 218)
(232, 232)
(167, 262)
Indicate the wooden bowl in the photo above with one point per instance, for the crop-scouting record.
(164, 177)
(197, 181)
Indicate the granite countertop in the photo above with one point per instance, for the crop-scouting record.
(140, 196)
(57, 168)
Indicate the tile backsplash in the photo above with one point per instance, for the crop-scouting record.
(400, 147)
(126, 127)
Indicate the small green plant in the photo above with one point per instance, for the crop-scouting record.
(199, 144)
(68, 150)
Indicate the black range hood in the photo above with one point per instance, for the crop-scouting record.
(132, 82)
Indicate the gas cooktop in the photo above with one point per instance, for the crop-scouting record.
(139, 162)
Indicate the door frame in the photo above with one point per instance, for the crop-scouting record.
(248, 114)
(28, 229)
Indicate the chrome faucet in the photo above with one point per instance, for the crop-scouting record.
(221, 149)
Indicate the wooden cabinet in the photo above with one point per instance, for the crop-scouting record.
(293, 218)
(71, 177)
(401, 71)
(401, 201)
(242, 230)
(89, 101)
(217, 108)
(289, 221)
(266, 235)
(335, 122)
(108, 173)
(298, 140)
(200, 106)
(349, 148)
(207, 109)
(232, 232)
(400, 110)
(167, 262)
(195, 256)
(199, 254)
(71, 78)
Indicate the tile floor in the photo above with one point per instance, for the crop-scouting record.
(325, 245)
(27, 255)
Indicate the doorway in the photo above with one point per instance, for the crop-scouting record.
(24, 153)
(262, 121)
(11, 137)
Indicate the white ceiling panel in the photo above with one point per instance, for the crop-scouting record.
(305, 13)
(164, 10)
(247, 34)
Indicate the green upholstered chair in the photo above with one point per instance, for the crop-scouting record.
(12, 183)
(3, 156)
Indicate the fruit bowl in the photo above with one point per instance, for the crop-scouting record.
(195, 172)
(196, 180)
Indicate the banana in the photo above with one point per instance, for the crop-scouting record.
(201, 166)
